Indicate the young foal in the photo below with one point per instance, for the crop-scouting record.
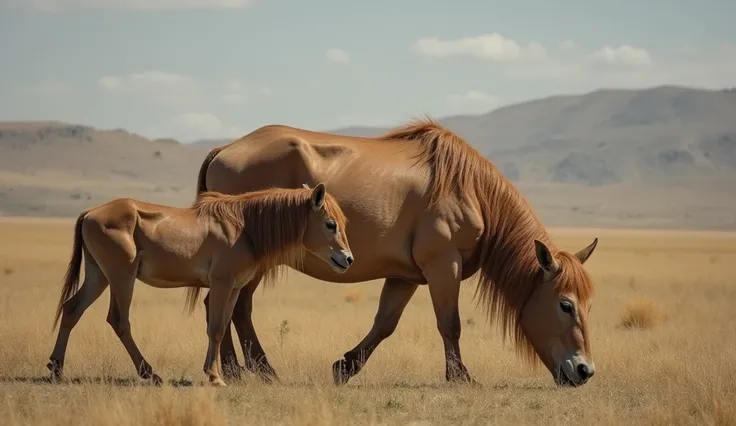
(220, 242)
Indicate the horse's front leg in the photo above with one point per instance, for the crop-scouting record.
(443, 271)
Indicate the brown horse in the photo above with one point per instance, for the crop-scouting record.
(424, 208)
(221, 242)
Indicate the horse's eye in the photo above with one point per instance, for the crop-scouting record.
(331, 225)
(566, 307)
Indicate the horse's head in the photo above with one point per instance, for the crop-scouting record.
(554, 318)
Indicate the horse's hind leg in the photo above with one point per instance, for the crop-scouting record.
(121, 293)
(93, 286)
(395, 295)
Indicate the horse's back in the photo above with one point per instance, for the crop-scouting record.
(376, 182)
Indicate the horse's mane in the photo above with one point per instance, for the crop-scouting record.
(509, 270)
(273, 222)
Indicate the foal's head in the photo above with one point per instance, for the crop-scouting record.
(325, 235)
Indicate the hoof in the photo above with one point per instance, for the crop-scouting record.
(156, 380)
(340, 374)
(218, 382)
(56, 370)
(269, 379)
(463, 380)
(234, 372)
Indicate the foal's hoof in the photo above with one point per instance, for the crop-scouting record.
(217, 382)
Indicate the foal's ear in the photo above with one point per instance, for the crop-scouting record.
(546, 261)
(318, 196)
(585, 253)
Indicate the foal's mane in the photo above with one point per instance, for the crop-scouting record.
(273, 221)
(509, 270)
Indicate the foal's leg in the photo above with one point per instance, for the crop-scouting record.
(231, 369)
(223, 297)
(255, 356)
(443, 273)
(395, 295)
(121, 289)
(94, 284)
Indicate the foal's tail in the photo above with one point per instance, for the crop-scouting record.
(71, 279)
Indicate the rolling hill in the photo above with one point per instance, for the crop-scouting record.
(657, 157)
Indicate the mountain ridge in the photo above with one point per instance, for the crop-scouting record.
(563, 151)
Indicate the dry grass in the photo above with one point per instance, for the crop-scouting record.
(354, 296)
(643, 314)
(680, 372)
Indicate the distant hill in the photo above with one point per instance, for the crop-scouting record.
(51, 168)
(657, 135)
(658, 157)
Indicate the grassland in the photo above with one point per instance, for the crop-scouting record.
(663, 330)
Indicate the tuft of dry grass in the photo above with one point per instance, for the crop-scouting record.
(354, 296)
(641, 314)
(680, 372)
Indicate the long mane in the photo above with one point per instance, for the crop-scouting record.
(273, 221)
(509, 270)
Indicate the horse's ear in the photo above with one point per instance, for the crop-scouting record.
(318, 196)
(585, 253)
(546, 261)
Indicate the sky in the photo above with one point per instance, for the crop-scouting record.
(192, 69)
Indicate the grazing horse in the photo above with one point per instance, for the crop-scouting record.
(424, 208)
(221, 242)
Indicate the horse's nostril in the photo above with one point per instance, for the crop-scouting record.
(584, 372)
(349, 259)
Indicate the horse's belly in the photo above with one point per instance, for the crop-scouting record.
(370, 268)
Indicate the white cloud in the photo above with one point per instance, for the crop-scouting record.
(492, 46)
(631, 67)
(473, 98)
(191, 126)
(337, 55)
(623, 55)
(156, 86)
(238, 92)
(568, 45)
(51, 5)
(109, 82)
(472, 101)
(564, 59)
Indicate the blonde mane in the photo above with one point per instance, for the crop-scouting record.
(509, 270)
(273, 222)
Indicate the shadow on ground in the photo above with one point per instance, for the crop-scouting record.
(106, 380)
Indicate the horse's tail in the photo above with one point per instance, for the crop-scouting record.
(71, 279)
(202, 176)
